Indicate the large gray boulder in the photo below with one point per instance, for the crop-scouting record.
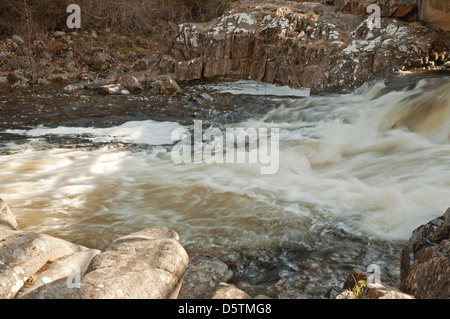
(149, 264)
(425, 262)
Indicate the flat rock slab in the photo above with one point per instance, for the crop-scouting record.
(62, 278)
(23, 254)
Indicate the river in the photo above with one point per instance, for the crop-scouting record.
(357, 174)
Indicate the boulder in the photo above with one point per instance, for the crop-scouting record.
(189, 70)
(163, 84)
(7, 219)
(202, 276)
(23, 254)
(18, 40)
(228, 291)
(113, 75)
(42, 81)
(101, 61)
(141, 65)
(131, 83)
(18, 62)
(425, 261)
(149, 264)
(58, 34)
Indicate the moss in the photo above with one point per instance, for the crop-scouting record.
(360, 288)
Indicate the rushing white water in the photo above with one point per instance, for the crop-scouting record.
(139, 132)
(255, 88)
(374, 164)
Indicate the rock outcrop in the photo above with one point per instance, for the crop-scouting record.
(305, 45)
(327, 45)
(425, 263)
(435, 12)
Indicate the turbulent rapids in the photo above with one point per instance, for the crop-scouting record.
(357, 173)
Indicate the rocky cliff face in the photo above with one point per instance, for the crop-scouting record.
(425, 263)
(329, 48)
(435, 12)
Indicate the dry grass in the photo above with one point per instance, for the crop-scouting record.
(35, 17)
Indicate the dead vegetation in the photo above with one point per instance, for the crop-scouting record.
(38, 17)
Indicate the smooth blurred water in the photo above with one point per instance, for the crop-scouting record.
(358, 173)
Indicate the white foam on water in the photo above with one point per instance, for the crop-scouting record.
(256, 88)
(138, 132)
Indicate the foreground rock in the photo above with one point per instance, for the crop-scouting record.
(61, 275)
(24, 254)
(7, 219)
(425, 263)
(370, 290)
(203, 274)
(228, 291)
(149, 264)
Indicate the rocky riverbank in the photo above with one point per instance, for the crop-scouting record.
(327, 46)
(152, 264)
